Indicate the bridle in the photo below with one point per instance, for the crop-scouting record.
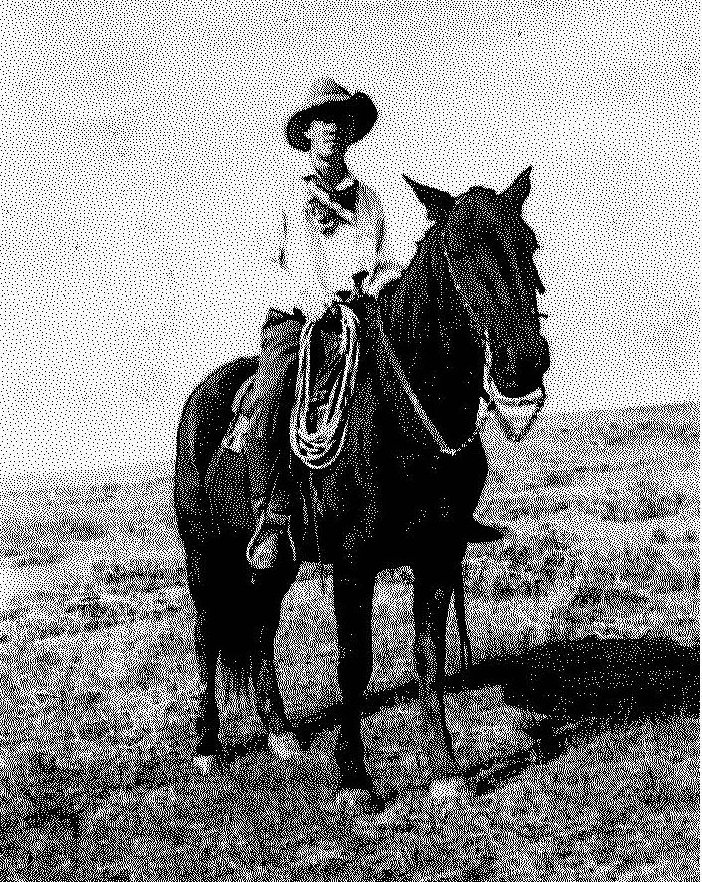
(492, 398)
(495, 400)
(321, 447)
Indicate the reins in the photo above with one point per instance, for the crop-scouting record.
(320, 448)
(494, 400)
(424, 417)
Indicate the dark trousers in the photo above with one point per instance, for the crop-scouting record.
(267, 443)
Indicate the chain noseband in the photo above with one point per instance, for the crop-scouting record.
(537, 399)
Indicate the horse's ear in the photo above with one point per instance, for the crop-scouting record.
(438, 203)
(518, 190)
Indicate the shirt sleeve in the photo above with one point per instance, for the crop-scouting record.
(380, 230)
(276, 249)
(377, 213)
(286, 290)
(386, 268)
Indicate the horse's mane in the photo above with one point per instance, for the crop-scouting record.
(406, 306)
(434, 337)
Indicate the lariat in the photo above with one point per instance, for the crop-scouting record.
(317, 433)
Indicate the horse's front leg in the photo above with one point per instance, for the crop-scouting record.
(353, 605)
(434, 583)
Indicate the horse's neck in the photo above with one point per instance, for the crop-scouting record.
(409, 312)
(427, 331)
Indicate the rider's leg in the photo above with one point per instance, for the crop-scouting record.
(267, 439)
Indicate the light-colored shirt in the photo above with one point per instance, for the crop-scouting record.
(313, 266)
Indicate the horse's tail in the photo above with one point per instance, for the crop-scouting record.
(218, 576)
(227, 621)
(248, 624)
(459, 600)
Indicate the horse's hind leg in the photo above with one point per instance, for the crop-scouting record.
(207, 650)
(207, 723)
(270, 588)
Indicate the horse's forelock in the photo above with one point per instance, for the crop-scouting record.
(487, 218)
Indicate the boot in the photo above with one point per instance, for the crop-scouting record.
(271, 547)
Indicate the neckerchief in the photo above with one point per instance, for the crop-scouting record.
(327, 209)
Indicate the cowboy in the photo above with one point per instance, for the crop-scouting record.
(330, 242)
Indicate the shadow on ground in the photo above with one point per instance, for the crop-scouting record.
(577, 687)
(585, 686)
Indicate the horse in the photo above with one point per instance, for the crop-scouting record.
(402, 489)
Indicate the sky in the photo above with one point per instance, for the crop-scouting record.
(143, 150)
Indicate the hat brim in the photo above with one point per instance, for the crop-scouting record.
(359, 106)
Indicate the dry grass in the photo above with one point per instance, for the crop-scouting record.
(97, 683)
(643, 501)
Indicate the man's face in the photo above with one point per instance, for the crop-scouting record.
(330, 136)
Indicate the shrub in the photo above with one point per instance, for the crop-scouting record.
(559, 478)
(643, 501)
(47, 791)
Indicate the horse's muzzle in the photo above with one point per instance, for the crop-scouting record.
(519, 373)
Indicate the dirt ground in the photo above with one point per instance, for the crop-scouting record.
(587, 613)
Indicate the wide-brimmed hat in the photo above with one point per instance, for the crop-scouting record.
(327, 96)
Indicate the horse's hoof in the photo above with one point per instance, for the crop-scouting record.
(448, 790)
(286, 746)
(357, 800)
(206, 765)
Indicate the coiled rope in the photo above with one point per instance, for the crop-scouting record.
(320, 447)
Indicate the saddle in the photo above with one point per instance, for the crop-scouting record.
(235, 436)
(326, 375)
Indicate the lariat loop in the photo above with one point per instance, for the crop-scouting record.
(319, 447)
